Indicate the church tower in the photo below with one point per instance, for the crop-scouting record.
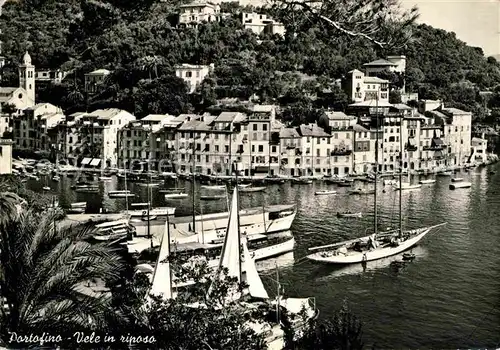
(27, 76)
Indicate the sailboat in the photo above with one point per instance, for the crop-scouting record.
(177, 193)
(375, 246)
(406, 185)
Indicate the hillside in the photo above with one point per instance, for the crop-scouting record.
(140, 43)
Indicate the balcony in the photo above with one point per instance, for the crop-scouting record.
(433, 148)
(341, 152)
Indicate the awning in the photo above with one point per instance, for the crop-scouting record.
(438, 154)
(411, 141)
(95, 162)
(86, 161)
(437, 142)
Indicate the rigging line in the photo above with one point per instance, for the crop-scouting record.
(482, 320)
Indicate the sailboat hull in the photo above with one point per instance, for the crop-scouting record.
(353, 257)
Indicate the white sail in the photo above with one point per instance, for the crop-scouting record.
(231, 251)
(255, 285)
(162, 278)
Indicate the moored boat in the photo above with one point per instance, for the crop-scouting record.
(361, 191)
(326, 192)
(120, 194)
(177, 195)
(252, 189)
(406, 186)
(427, 181)
(212, 198)
(445, 173)
(370, 247)
(213, 187)
(461, 184)
(457, 179)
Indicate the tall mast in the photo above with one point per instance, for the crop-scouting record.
(193, 191)
(277, 294)
(125, 173)
(237, 215)
(149, 191)
(375, 219)
(401, 153)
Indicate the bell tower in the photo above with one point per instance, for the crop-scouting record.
(27, 76)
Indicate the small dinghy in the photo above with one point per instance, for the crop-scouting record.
(457, 179)
(213, 187)
(151, 217)
(445, 173)
(408, 256)
(323, 193)
(46, 188)
(251, 189)
(461, 184)
(361, 191)
(211, 198)
(427, 181)
(348, 214)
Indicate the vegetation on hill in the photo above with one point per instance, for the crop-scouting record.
(141, 43)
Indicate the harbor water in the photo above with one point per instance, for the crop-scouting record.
(448, 297)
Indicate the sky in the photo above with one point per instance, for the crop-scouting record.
(477, 22)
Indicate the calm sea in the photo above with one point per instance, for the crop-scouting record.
(448, 297)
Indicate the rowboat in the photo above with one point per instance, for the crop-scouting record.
(461, 184)
(427, 181)
(251, 189)
(457, 179)
(213, 187)
(361, 191)
(407, 186)
(211, 198)
(322, 193)
(445, 173)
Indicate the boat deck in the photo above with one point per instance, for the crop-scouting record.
(243, 212)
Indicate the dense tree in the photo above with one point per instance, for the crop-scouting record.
(42, 267)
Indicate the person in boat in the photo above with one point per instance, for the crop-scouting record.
(372, 242)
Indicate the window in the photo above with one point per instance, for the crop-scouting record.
(317, 153)
(261, 148)
(328, 141)
(216, 148)
(254, 127)
(254, 136)
(264, 127)
(189, 74)
(273, 149)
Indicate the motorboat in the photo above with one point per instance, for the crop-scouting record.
(177, 195)
(461, 184)
(407, 186)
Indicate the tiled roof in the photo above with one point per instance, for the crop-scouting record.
(336, 115)
(229, 117)
(289, 133)
(313, 130)
(374, 80)
(105, 114)
(359, 128)
(194, 125)
(455, 111)
(379, 62)
(355, 71)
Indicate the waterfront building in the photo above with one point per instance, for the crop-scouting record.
(94, 81)
(31, 129)
(363, 150)
(261, 23)
(290, 152)
(98, 136)
(260, 151)
(479, 146)
(5, 156)
(139, 143)
(457, 128)
(192, 74)
(316, 151)
(340, 127)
